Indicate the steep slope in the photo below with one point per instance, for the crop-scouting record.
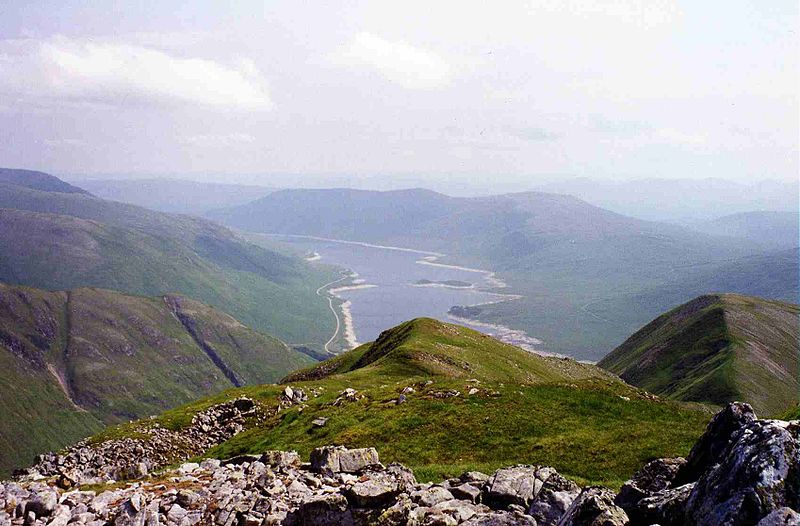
(78, 359)
(174, 195)
(67, 240)
(716, 349)
(444, 399)
(567, 258)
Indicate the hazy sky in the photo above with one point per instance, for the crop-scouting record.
(619, 88)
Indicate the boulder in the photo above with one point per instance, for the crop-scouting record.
(468, 491)
(720, 434)
(338, 459)
(43, 504)
(654, 476)
(781, 517)
(280, 458)
(515, 485)
(553, 500)
(594, 506)
(327, 510)
(666, 507)
(757, 473)
(500, 518)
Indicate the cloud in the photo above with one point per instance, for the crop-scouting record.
(227, 140)
(409, 66)
(120, 74)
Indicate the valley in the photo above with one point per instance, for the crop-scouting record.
(385, 285)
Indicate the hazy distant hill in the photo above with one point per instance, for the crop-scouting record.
(680, 199)
(173, 195)
(778, 229)
(38, 181)
(717, 349)
(75, 360)
(61, 241)
(566, 256)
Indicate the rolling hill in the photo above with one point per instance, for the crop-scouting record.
(568, 259)
(174, 195)
(444, 399)
(716, 349)
(57, 240)
(76, 360)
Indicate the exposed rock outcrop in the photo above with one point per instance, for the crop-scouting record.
(743, 471)
(133, 458)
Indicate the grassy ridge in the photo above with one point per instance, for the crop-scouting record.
(716, 349)
(527, 408)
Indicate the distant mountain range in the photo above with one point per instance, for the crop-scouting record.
(174, 195)
(717, 349)
(76, 360)
(63, 240)
(680, 199)
(577, 265)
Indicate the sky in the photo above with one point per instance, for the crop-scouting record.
(511, 91)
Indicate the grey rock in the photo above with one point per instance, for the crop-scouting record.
(515, 485)
(469, 491)
(553, 500)
(327, 510)
(720, 434)
(431, 496)
(666, 507)
(781, 517)
(758, 473)
(653, 477)
(594, 507)
(43, 504)
(336, 459)
(500, 518)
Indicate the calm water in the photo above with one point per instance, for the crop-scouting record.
(394, 298)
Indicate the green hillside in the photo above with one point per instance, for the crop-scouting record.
(525, 408)
(716, 349)
(576, 265)
(78, 359)
(60, 240)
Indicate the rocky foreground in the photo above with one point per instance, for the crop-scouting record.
(741, 471)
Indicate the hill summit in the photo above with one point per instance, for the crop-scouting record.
(717, 348)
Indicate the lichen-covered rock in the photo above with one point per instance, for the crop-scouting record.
(758, 473)
(594, 506)
(720, 434)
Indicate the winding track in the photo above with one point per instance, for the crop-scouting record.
(333, 310)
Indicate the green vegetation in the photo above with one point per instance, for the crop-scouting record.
(68, 240)
(527, 408)
(76, 360)
(716, 349)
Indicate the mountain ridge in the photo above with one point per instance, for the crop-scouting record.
(715, 349)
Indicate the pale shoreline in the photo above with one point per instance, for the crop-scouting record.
(503, 333)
